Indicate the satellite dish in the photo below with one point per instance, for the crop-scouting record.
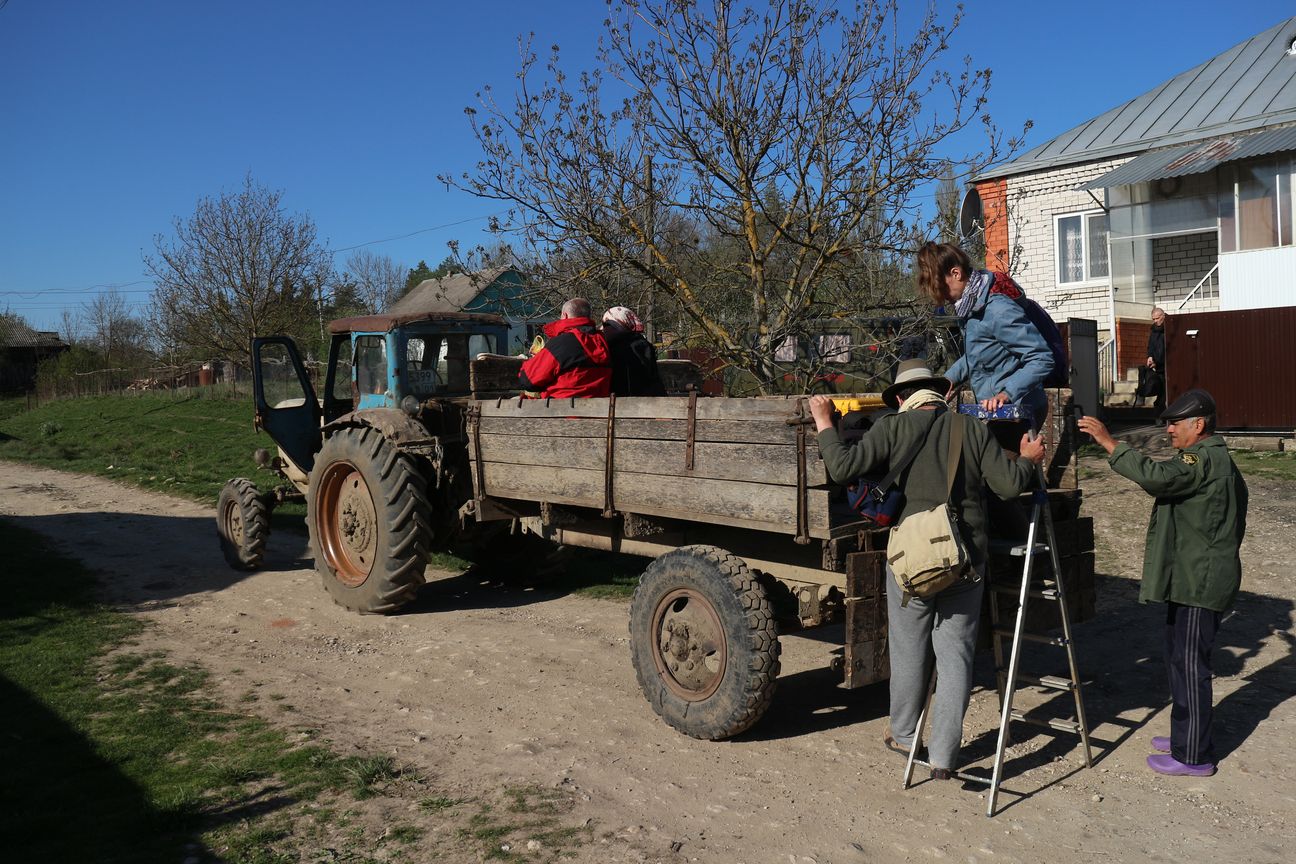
(971, 218)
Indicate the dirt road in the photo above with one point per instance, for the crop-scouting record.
(483, 687)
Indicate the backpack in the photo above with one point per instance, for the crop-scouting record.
(1058, 377)
(925, 552)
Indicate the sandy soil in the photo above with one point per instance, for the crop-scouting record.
(485, 687)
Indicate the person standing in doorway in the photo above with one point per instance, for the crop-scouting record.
(1152, 373)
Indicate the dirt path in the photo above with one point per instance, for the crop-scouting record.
(482, 688)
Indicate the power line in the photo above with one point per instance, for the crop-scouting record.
(420, 231)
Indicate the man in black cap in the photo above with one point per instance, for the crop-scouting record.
(1191, 563)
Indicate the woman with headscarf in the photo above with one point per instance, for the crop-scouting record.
(1005, 357)
(634, 360)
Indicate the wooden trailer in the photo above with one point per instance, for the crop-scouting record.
(731, 499)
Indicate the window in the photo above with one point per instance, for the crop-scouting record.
(786, 352)
(371, 364)
(1255, 205)
(1081, 247)
(834, 348)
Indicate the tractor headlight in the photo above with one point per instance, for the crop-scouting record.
(410, 405)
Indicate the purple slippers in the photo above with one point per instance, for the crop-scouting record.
(1161, 744)
(1164, 763)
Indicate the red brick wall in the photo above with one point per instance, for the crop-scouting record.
(1131, 344)
(994, 205)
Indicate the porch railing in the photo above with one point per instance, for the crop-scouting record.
(1107, 374)
(1207, 287)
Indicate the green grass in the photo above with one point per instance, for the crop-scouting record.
(187, 445)
(113, 753)
(1267, 463)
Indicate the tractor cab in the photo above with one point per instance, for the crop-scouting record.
(393, 362)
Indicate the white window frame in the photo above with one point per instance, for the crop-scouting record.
(1088, 279)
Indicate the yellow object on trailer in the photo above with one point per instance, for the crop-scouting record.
(859, 402)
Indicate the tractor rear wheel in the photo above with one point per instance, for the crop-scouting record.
(242, 523)
(369, 520)
(703, 642)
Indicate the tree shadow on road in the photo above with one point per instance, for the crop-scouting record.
(150, 559)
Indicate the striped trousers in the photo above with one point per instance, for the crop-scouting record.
(1189, 639)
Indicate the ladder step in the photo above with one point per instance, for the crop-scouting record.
(1053, 723)
(1017, 550)
(1047, 592)
(1005, 633)
(1053, 682)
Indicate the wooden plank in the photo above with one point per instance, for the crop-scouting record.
(494, 372)
(728, 502)
(865, 654)
(720, 431)
(679, 376)
(774, 464)
(646, 408)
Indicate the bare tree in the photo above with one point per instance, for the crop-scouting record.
(753, 162)
(377, 279)
(947, 205)
(239, 267)
(112, 329)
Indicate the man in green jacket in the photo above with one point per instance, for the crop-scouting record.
(1191, 563)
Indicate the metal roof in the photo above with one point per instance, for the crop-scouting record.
(1250, 86)
(1196, 158)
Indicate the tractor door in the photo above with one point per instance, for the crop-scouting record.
(286, 406)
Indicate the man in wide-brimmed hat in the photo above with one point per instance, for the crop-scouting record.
(914, 635)
(1191, 563)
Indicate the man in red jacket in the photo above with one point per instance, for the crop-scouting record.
(575, 360)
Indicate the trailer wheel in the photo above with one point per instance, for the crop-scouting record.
(703, 642)
(242, 523)
(368, 516)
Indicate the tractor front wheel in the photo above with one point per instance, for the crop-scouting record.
(369, 521)
(242, 523)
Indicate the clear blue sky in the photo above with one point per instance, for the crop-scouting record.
(116, 117)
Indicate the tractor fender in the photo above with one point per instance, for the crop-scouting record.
(404, 431)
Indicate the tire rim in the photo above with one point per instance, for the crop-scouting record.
(232, 523)
(347, 523)
(689, 646)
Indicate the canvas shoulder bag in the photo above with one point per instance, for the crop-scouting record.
(925, 551)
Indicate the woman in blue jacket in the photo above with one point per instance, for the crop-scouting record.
(1005, 358)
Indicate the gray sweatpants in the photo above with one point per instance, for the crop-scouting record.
(947, 625)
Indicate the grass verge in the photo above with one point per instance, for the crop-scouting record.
(114, 753)
(187, 445)
(1268, 463)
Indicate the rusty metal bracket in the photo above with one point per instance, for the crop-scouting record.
(474, 431)
(691, 435)
(607, 462)
(802, 514)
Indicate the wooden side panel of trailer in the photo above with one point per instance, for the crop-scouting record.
(749, 463)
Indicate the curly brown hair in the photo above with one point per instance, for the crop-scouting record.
(934, 262)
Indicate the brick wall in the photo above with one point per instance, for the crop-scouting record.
(1131, 344)
(1033, 202)
(994, 210)
(1178, 264)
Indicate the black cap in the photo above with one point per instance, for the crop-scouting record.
(1193, 403)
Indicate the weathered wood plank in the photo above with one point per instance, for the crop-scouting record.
(730, 502)
(494, 372)
(646, 408)
(754, 463)
(719, 431)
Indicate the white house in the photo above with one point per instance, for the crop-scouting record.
(1181, 197)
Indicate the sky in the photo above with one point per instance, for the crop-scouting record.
(117, 117)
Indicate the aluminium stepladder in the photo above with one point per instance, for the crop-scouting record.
(1051, 590)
